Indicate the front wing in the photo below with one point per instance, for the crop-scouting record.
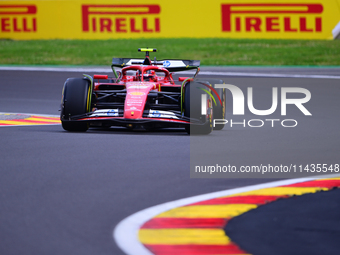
(151, 118)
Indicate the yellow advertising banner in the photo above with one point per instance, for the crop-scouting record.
(110, 19)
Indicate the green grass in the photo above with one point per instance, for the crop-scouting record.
(210, 51)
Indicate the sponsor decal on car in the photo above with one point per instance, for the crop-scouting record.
(105, 113)
(162, 114)
(136, 93)
(113, 112)
(166, 63)
(138, 87)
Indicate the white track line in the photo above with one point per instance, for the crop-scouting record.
(108, 70)
(270, 75)
(126, 232)
(56, 69)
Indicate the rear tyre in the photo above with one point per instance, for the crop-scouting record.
(76, 100)
(192, 109)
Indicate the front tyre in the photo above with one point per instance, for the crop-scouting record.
(76, 100)
(192, 109)
(219, 109)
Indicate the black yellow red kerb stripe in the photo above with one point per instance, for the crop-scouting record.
(197, 229)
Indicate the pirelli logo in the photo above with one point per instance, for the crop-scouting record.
(264, 17)
(18, 18)
(121, 18)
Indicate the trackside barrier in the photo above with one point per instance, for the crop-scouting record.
(107, 19)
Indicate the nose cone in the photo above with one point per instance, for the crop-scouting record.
(133, 114)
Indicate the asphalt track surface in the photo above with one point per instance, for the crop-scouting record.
(63, 193)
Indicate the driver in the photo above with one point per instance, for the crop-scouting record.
(149, 76)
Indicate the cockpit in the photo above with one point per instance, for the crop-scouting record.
(146, 74)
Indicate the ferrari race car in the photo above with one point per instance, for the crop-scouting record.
(143, 95)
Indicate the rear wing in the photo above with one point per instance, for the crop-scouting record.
(172, 65)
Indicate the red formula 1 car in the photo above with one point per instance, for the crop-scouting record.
(143, 95)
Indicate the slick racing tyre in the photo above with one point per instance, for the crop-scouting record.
(76, 100)
(218, 108)
(192, 109)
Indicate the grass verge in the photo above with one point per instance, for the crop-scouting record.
(213, 51)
